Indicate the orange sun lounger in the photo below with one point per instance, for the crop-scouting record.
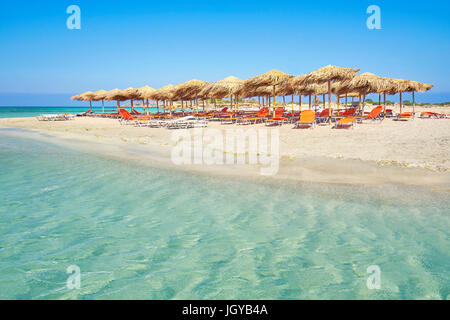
(373, 115)
(347, 122)
(260, 116)
(404, 116)
(307, 119)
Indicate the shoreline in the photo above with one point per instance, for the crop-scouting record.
(152, 146)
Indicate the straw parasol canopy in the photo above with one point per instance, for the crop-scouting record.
(145, 93)
(329, 74)
(409, 86)
(163, 94)
(189, 88)
(100, 96)
(224, 88)
(116, 95)
(87, 96)
(271, 78)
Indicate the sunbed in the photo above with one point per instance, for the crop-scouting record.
(324, 116)
(307, 120)
(277, 118)
(259, 117)
(375, 114)
(346, 123)
(431, 115)
(406, 116)
(183, 123)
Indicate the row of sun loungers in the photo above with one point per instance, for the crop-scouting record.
(55, 117)
(179, 123)
(306, 119)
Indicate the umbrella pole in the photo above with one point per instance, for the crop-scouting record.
(329, 100)
(103, 106)
(274, 102)
(346, 97)
(338, 103)
(157, 106)
(118, 106)
(131, 105)
(300, 103)
(414, 102)
(359, 103)
(292, 101)
(384, 108)
(401, 102)
(309, 102)
(90, 104)
(284, 101)
(196, 105)
(236, 98)
(379, 99)
(363, 105)
(323, 98)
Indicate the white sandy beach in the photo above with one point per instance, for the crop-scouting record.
(413, 152)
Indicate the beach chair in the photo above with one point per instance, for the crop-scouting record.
(186, 123)
(346, 123)
(389, 113)
(324, 116)
(406, 116)
(375, 114)
(307, 120)
(259, 117)
(431, 115)
(278, 118)
(126, 117)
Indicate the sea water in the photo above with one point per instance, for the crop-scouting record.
(25, 112)
(140, 232)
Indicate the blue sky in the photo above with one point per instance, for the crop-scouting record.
(136, 43)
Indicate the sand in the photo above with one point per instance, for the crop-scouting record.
(413, 152)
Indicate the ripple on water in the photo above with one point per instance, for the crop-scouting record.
(137, 232)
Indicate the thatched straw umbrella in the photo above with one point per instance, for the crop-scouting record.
(116, 95)
(189, 89)
(227, 87)
(132, 94)
(412, 86)
(364, 84)
(286, 89)
(87, 96)
(328, 75)
(163, 94)
(100, 96)
(264, 92)
(271, 78)
(145, 93)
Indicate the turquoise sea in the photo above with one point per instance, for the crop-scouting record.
(141, 232)
(24, 112)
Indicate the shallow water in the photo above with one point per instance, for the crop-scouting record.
(26, 112)
(140, 232)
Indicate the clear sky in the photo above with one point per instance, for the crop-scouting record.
(136, 43)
